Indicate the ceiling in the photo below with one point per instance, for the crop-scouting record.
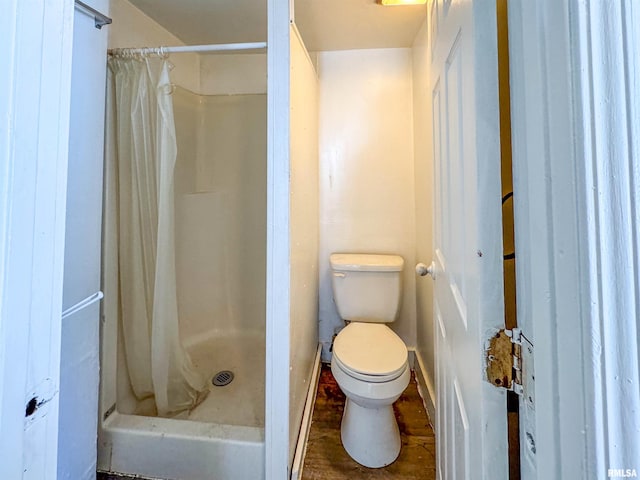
(352, 24)
(324, 24)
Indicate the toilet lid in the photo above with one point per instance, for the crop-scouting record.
(370, 349)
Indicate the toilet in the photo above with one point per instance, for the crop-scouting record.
(370, 362)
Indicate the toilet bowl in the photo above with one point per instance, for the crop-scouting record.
(370, 366)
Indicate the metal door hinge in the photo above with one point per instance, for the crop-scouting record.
(510, 363)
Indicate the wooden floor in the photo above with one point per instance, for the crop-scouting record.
(327, 460)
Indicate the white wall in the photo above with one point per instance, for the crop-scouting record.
(303, 210)
(366, 170)
(79, 359)
(424, 188)
(233, 74)
(132, 28)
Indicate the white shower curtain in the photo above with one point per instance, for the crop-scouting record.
(141, 155)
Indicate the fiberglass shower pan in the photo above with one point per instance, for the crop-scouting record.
(220, 198)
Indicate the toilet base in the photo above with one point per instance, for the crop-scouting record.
(370, 435)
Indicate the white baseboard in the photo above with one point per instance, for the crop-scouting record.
(307, 414)
(412, 356)
(426, 389)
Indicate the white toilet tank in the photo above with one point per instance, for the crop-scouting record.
(367, 287)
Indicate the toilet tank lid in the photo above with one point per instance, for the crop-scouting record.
(364, 262)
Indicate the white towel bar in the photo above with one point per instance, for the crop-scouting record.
(96, 297)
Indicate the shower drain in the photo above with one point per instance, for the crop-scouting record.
(222, 378)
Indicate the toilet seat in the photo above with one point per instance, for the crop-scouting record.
(371, 352)
(369, 378)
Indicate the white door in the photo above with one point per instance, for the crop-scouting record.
(471, 413)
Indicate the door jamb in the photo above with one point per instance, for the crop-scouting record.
(35, 51)
(278, 309)
(572, 80)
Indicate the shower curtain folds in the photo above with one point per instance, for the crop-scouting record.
(141, 156)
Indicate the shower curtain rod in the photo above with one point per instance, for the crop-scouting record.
(220, 47)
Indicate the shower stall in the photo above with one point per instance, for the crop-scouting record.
(219, 235)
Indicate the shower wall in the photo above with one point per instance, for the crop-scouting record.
(220, 226)
(220, 214)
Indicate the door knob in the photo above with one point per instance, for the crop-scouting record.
(423, 270)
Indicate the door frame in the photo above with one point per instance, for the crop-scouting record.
(278, 309)
(35, 50)
(572, 99)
